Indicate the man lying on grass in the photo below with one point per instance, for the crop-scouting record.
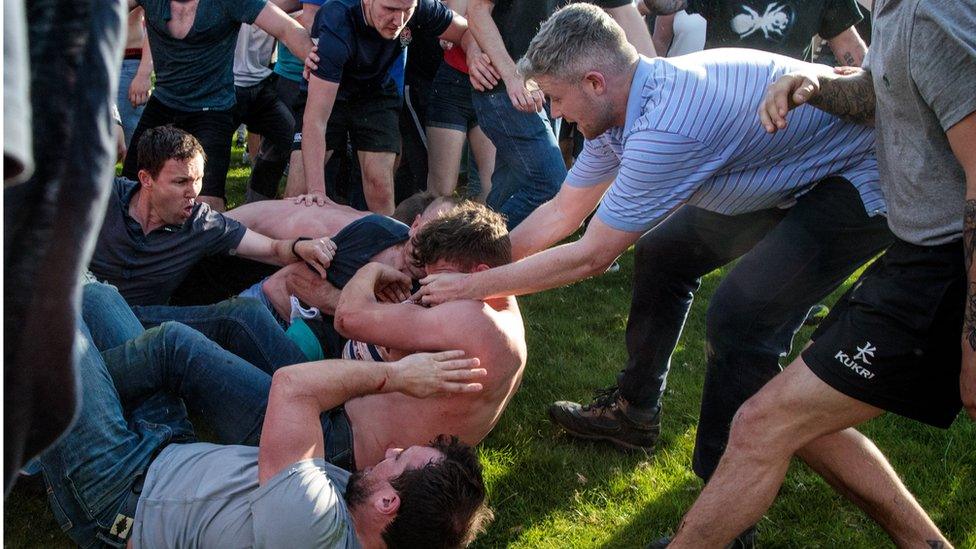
(130, 471)
(469, 238)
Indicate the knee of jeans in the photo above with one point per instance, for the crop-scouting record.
(728, 319)
(174, 335)
(96, 294)
(248, 312)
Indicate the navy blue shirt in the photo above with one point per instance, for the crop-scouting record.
(196, 73)
(147, 268)
(355, 56)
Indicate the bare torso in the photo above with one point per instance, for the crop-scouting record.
(283, 219)
(496, 335)
(133, 30)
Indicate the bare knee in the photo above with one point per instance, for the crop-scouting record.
(760, 429)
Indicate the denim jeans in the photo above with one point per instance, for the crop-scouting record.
(790, 260)
(136, 397)
(258, 106)
(212, 128)
(51, 221)
(244, 327)
(130, 115)
(528, 165)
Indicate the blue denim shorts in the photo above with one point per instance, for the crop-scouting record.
(450, 101)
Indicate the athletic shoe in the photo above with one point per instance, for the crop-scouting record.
(609, 417)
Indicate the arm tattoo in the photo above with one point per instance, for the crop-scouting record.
(849, 59)
(665, 7)
(969, 245)
(849, 97)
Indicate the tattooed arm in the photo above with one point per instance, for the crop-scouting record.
(848, 47)
(845, 92)
(961, 137)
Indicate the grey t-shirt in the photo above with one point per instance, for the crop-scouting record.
(923, 63)
(195, 73)
(252, 56)
(147, 268)
(207, 495)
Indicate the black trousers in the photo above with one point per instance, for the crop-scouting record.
(212, 128)
(790, 260)
(259, 107)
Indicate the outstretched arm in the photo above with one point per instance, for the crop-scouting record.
(274, 21)
(316, 252)
(961, 138)
(292, 430)
(845, 92)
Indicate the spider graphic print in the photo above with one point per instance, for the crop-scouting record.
(774, 22)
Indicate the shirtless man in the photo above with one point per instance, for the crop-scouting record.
(469, 238)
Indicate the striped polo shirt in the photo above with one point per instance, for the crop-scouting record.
(692, 135)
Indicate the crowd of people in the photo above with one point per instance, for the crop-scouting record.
(415, 165)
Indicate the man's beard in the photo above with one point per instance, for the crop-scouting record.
(357, 489)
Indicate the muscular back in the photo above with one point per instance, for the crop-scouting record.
(494, 333)
(283, 219)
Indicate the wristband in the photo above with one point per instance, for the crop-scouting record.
(295, 243)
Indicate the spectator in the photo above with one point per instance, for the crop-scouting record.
(260, 109)
(193, 48)
(351, 92)
(893, 341)
(154, 231)
(135, 80)
(786, 28)
(451, 119)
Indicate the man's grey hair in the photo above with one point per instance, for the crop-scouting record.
(575, 40)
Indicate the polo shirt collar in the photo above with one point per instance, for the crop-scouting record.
(638, 92)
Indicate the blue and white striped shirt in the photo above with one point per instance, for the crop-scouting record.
(692, 136)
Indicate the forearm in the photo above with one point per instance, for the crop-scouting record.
(313, 154)
(357, 294)
(634, 28)
(848, 96)
(969, 245)
(544, 227)
(488, 37)
(146, 61)
(665, 7)
(297, 40)
(552, 268)
(848, 48)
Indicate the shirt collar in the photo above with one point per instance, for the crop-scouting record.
(636, 99)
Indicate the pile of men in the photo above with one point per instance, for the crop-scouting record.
(347, 361)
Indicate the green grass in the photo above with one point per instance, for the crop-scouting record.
(550, 491)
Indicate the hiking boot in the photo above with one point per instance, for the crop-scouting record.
(609, 417)
(745, 540)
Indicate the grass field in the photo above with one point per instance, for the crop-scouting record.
(550, 491)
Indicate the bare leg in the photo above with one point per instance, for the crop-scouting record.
(857, 469)
(444, 148)
(792, 410)
(253, 145)
(378, 180)
(484, 155)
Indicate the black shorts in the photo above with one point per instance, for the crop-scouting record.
(370, 120)
(894, 340)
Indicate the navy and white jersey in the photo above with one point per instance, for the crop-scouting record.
(692, 135)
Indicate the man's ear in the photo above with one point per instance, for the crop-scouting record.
(416, 224)
(386, 501)
(480, 267)
(144, 178)
(596, 82)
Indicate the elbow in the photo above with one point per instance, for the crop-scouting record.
(597, 266)
(284, 385)
(346, 321)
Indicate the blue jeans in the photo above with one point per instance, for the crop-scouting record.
(130, 115)
(244, 327)
(528, 165)
(790, 260)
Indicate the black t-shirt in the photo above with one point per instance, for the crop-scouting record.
(355, 56)
(424, 56)
(779, 26)
(519, 20)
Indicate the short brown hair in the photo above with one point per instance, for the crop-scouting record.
(417, 203)
(162, 143)
(441, 504)
(468, 235)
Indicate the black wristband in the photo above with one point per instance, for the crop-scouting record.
(295, 243)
